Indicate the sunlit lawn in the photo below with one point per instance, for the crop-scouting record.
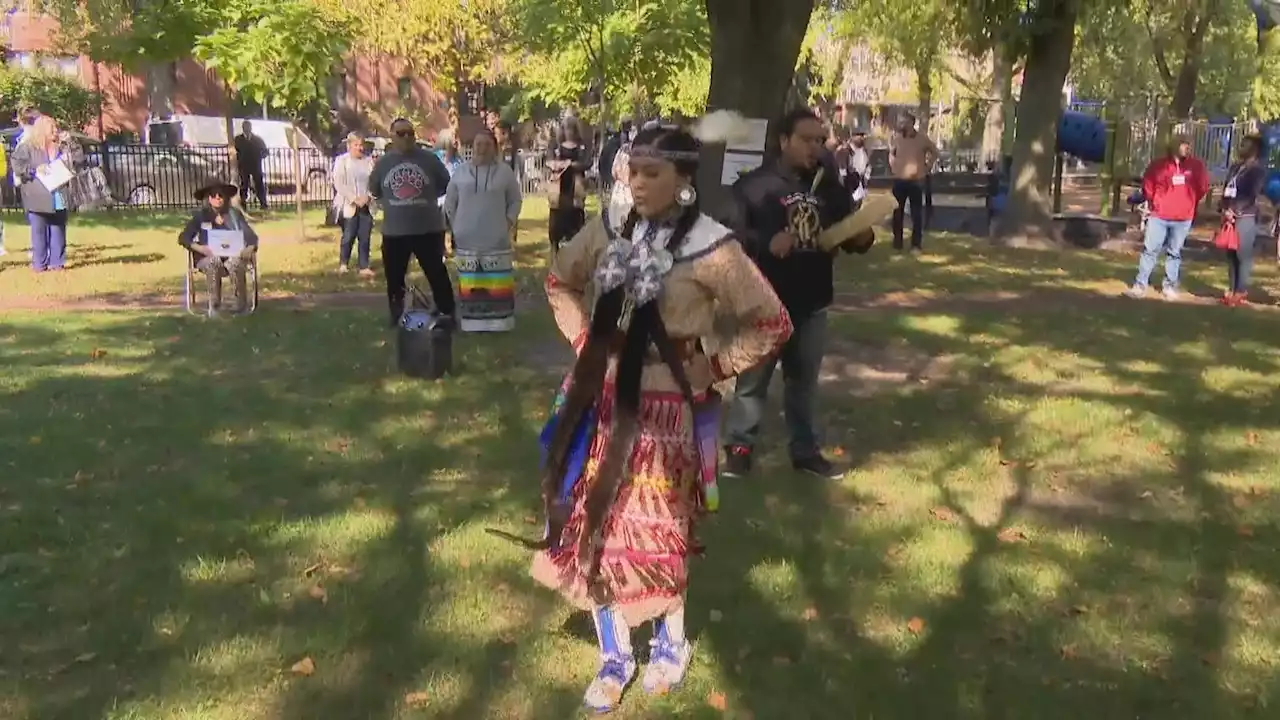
(1056, 511)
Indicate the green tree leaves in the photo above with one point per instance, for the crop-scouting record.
(277, 52)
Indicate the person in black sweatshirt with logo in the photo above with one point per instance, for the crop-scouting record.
(780, 209)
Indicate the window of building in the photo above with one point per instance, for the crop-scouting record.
(67, 65)
(404, 87)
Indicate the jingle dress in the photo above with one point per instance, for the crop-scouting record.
(647, 535)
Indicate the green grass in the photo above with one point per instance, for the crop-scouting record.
(125, 258)
(1056, 509)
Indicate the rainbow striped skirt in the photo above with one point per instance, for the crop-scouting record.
(486, 291)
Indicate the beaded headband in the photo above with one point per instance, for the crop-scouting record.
(652, 151)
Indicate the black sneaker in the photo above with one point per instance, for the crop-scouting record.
(817, 465)
(737, 461)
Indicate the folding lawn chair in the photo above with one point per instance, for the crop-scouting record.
(193, 282)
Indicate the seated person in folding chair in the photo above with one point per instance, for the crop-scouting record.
(216, 213)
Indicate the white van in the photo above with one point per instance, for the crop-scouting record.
(196, 130)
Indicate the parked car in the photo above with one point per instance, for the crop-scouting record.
(148, 175)
(207, 134)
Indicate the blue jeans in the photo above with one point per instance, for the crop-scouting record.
(48, 240)
(801, 359)
(1240, 262)
(356, 231)
(1167, 235)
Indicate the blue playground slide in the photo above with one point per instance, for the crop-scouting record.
(1083, 136)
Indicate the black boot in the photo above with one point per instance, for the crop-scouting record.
(395, 306)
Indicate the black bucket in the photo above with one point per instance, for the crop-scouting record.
(425, 344)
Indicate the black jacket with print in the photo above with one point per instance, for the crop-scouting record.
(770, 200)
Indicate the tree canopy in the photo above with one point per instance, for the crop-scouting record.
(277, 52)
(629, 52)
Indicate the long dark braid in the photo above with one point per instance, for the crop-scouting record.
(646, 327)
(586, 385)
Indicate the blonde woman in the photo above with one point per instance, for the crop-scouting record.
(47, 210)
(350, 174)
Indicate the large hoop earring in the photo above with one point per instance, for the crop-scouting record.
(686, 196)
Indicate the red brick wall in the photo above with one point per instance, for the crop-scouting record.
(371, 86)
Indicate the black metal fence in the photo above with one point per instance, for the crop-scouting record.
(161, 177)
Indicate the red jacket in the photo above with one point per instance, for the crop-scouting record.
(1171, 199)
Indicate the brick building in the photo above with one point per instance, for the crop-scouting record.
(364, 91)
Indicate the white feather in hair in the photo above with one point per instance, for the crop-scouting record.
(722, 126)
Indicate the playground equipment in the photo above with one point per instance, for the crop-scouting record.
(1083, 135)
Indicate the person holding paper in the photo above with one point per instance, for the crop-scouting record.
(42, 166)
(780, 212)
(217, 218)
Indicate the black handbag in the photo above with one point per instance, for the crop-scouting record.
(333, 216)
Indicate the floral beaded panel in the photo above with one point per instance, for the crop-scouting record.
(709, 275)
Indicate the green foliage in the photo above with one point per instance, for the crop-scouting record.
(629, 50)
(911, 34)
(1115, 59)
(133, 33)
(276, 52)
(447, 41)
(686, 92)
(54, 94)
(824, 54)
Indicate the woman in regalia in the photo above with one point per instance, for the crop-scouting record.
(630, 452)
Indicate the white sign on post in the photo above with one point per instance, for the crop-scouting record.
(737, 164)
(755, 139)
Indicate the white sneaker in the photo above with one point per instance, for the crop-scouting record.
(1170, 293)
(604, 694)
(342, 269)
(1136, 291)
(668, 663)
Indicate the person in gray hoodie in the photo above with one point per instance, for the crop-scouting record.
(408, 181)
(482, 206)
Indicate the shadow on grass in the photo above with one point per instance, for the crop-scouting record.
(162, 504)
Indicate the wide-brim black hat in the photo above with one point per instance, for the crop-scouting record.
(226, 189)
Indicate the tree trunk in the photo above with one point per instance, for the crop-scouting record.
(924, 96)
(1001, 91)
(160, 89)
(1184, 88)
(754, 47)
(1027, 219)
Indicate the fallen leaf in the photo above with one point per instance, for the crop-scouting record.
(1245, 531)
(35, 440)
(715, 616)
(943, 514)
(717, 700)
(417, 699)
(915, 625)
(1147, 495)
(1029, 464)
(1239, 501)
(837, 451)
(98, 353)
(311, 569)
(86, 657)
(1068, 652)
(304, 667)
(810, 613)
(1078, 610)
(317, 592)
(1251, 438)
(1011, 535)
(1006, 462)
